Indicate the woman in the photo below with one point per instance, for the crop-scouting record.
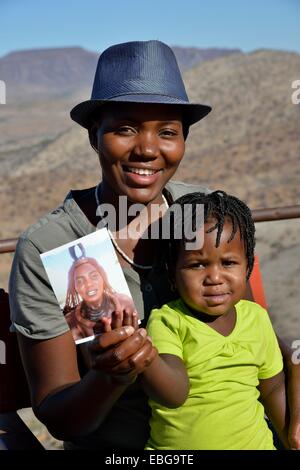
(138, 119)
(90, 296)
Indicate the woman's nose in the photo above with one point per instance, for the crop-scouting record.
(88, 283)
(147, 146)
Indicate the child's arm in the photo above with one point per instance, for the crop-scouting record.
(273, 398)
(165, 381)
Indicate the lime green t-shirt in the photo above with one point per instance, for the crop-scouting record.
(222, 410)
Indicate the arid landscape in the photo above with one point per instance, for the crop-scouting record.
(249, 145)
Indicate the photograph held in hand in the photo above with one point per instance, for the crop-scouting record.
(88, 283)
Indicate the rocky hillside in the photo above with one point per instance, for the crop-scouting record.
(46, 72)
(248, 145)
(188, 57)
(40, 73)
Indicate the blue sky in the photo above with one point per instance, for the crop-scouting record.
(97, 24)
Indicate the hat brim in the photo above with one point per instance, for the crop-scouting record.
(192, 112)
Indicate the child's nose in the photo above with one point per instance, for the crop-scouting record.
(213, 275)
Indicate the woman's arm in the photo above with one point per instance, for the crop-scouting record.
(273, 398)
(165, 381)
(292, 372)
(68, 405)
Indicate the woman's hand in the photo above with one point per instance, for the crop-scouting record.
(292, 371)
(294, 432)
(293, 390)
(122, 350)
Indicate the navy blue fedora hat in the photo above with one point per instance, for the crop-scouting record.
(138, 72)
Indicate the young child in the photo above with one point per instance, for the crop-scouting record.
(219, 367)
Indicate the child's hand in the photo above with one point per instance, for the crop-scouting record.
(130, 318)
(122, 350)
(127, 317)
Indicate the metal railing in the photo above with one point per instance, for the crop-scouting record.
(266, 214)
(8, 245)
(276, 213)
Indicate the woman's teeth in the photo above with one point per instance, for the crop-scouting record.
(141, 171)
(91, 292)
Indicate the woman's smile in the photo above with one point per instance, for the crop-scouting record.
(91, 293)
(141, 176)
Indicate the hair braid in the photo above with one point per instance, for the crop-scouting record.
(220, 206)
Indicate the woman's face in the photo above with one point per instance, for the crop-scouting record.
(89, 284)
(140, 147)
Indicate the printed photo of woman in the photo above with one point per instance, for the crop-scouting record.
(90, 295)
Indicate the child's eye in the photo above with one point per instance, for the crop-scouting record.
(229, 262)
(197, 266)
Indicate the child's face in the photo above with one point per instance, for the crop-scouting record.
(212, 280)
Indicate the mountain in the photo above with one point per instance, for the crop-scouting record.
(61, 71)
(248, 145)
(188, 57)
(47, 72)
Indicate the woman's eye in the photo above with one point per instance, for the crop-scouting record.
(126, 130)
(168, 132)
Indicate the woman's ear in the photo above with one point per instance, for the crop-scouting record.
(93, 138)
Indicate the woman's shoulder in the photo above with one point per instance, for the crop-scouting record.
(42, 224)
(177, 189)
(62, 224)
